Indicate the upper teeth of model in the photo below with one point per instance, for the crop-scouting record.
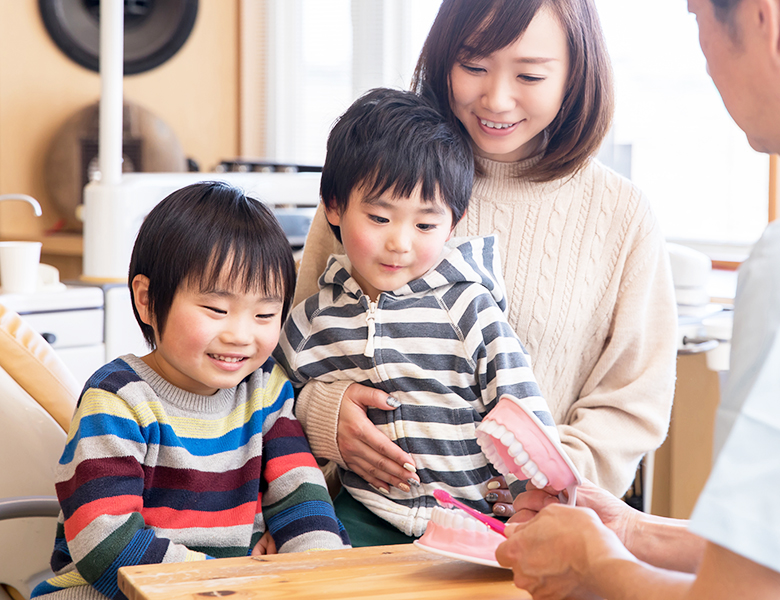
(514, 449)
(230, 359)
(493, 125)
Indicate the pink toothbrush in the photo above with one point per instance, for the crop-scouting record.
(446, 500)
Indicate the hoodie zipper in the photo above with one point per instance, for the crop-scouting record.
(370, 321)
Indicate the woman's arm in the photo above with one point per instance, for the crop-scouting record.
(624, 406)
(320, 244)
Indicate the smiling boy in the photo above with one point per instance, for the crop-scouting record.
(408, 311)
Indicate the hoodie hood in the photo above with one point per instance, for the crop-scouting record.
(463, 260)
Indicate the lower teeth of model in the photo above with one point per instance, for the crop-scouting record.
(455, 519)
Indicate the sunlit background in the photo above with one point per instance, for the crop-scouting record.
(671, 135)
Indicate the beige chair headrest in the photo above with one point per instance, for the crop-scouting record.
(32, 362)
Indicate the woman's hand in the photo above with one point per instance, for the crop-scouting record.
(265, 545)
(553, 555)
(500, 497)
(525, 506)
(366, 450)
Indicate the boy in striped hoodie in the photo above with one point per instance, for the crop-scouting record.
(192, 451)
(408, 311)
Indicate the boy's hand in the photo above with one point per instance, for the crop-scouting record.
(366, 450)
(265, 545)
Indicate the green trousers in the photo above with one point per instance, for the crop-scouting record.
(363, 526)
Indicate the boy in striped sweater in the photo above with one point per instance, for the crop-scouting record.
(192, 451)
(408, 312)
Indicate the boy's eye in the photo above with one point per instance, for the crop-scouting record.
(214, 309)
(378, 219)
(266, 317)
(426, 226)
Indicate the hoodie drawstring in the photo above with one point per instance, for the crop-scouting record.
(370, 321)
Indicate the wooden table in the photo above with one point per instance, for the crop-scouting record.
(384, 572)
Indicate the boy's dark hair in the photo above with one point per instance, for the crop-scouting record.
(188, 238)
(470, 29)
(396, 140)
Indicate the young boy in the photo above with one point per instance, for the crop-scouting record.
(192, 451)
(403, 312)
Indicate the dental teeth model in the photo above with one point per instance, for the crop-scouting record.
(515, 441)
(453, 533)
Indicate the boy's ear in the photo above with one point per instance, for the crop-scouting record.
(454, 225)
(332, 214)
(141, 298)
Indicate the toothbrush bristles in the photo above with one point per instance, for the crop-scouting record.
(447, 501)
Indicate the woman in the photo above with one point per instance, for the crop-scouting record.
(588, 280)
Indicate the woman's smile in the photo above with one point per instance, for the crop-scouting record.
(497, 127)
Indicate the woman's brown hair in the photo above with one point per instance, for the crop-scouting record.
(472, 29)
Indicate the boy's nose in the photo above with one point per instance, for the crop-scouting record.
(399, 241)
(237, 332)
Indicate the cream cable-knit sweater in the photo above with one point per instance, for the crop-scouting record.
(590, 295)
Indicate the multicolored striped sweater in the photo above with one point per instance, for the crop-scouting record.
(442, 347)
(151, 474)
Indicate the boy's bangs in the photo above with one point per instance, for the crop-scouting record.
(244, 269)
(402, 179)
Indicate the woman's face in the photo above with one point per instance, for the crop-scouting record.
(507, 99)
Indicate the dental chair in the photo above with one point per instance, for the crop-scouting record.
(38, 396)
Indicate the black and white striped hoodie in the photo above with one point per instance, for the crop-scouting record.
(441, 346)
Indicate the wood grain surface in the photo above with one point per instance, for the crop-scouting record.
(384, 572)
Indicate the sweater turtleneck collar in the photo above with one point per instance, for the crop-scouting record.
(500, 182)
(177, 396)
(496, 169)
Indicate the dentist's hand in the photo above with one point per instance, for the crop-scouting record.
(556, 554)
(366, 450)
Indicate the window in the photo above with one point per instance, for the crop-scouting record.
(319, 56)
(672, 135)
(704, 181)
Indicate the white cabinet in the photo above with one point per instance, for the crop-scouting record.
(71, 320)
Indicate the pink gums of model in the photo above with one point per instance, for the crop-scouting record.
(454, 533)
(515, 441)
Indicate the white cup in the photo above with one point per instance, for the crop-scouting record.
(19, 267)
